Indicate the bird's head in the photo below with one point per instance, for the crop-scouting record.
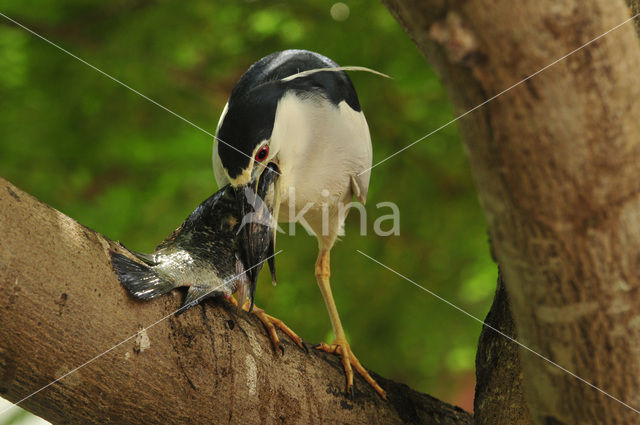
(245, 146)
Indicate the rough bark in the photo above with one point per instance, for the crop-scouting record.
(499, 397)
(62, 305)
(555, 161)
(635, 8)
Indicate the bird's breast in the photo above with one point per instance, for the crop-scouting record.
(320, 146)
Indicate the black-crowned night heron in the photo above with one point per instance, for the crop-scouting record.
(299, 110)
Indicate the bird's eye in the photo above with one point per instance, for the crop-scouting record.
(263, 153)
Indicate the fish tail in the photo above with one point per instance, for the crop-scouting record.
(195, 294)
(139, 279)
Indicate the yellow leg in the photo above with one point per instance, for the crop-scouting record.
(271, 323)
(340, 345)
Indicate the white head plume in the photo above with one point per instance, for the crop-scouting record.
(335, 69)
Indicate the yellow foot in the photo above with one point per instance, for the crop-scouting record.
(271, 323)
(350, 362)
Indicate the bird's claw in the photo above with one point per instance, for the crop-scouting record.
(271, 323)
(350, 362)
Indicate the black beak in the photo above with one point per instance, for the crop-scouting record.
(256, 235)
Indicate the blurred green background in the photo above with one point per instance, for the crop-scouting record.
(128, 169)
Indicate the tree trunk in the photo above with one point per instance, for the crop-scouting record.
(499, 398)
(62, 305)
(635, 9)
(556, 163)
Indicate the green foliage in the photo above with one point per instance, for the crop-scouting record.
(130, 170)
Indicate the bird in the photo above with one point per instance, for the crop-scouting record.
(214, 252)
(300, 110)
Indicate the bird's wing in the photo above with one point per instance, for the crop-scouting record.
(360, 181)
(360, 186)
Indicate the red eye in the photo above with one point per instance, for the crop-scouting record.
(263, 153)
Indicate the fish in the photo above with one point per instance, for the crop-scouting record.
(217, 251)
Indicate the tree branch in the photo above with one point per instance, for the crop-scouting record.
(62, 306)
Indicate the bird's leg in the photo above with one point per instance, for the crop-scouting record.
(340, 345)
(271, 323)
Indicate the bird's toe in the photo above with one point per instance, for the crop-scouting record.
(350, 363)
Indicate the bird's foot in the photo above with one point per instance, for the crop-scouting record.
(271, 323)
(349, 362)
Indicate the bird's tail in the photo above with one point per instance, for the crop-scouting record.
(140, 280)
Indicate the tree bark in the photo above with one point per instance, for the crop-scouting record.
(635, 8)
(62, 305)
(499, 398)
(555, 161)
